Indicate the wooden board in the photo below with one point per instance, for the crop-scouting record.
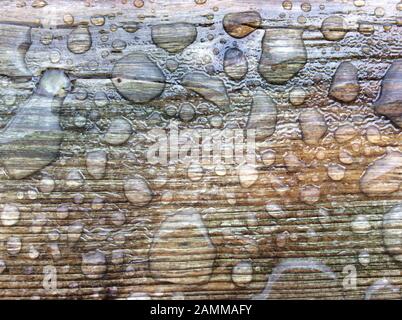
(89, 90)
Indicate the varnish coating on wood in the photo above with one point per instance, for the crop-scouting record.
(200, 149)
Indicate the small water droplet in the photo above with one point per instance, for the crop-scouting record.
(242, 273)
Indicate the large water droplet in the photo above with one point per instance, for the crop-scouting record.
(96, 163)
(263, 115)
(283, 54)
(313, 126)
(31, 139)
(137, 191)
(334, 28)
(79, 40)
(241, 24)
(389, 102)
(174, 37)
(137, 78)
(211, 88)
(118, 132)
(383, 176)
(344, 85)
(235, 63)
(182, 252)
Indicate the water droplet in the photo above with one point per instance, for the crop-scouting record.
(296, 264)
(345, 133)
(345, 156)
(172, 65)
(37, 4)
(287, 5)
(364, 258)
(334, 28)
(182, 252)
(220, 170)
(74, 179)
(130, 28)
(46, 38)
(344, 85)
(373, 135)
(216, 121)
(174, 37)
(292, 162)
(241, 24)
(366, 29)
(119, 45)
(35, 121)
(309, 194)
(392, 231)
(235, 64)
(361, 225)
(138, 3)
(382, 289)
(118, 218)
(242, 273)
(96, 163)
(389, 102)
(13, 245)
(68, 19)
(306, 7)
(10, 215)
(379, 12)
(74, 232)
(195, 172)
(268, 157)
(211, 88)
(336, 172)
(313, 126)
(55, 56)
(297, 96)
(263, 115)
(275, 210)
(187, 112)
(118, 132)
(359, 3)
(93, 264)
(283, 55)
(80, 121)
(137, 78)
(79, 40)
(301, 19)
(248, 175)
(383, 176)
(3, 266)
(98, 20)
(137, 191)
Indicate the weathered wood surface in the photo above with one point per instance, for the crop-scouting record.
(86, 215)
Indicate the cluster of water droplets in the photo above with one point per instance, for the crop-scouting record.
(328, 136)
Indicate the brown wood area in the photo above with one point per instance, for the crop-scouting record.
(294, 106)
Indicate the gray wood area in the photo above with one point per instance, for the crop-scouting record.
(294, 108)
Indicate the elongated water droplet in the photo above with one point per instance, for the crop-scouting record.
(182, 252)
(79, 40)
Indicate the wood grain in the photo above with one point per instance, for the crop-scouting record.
(136, 229)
